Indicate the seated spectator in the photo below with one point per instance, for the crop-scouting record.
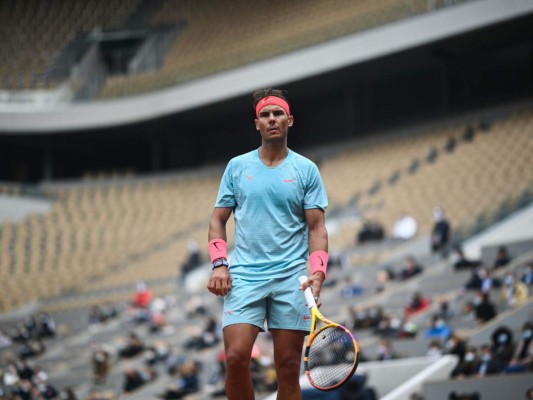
(410, 269)
(46, 325)
(485, 309)
(460, 262)
(133, 379)
(502, 344)
(455, 345)
(513, 293)
(208, 337)
(438, 329)
(527, 276)
(350, 289)
(470, 364)
(404, 228)
(194, 258)
(142, 297)
(133, 347)
(488, 364)
(186, 382)
(502, 258)
(371, 230)
(418, 303)
(5, 339)
(445, 312)
(385, 351)
(523, 356)
(32, 348)
(389, 326)
(481, 279)
(435, 349)
(101, 363)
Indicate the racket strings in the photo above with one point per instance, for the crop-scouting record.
(332, 357)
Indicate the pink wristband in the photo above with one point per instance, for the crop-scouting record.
(218, 248)
(318, 260)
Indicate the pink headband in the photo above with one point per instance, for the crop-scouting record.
(271, 100)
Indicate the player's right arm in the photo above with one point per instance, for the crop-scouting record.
(220, 279)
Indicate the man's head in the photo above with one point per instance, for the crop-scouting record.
(273, 117)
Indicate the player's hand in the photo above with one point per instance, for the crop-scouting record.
(219, 281)
(315, 283)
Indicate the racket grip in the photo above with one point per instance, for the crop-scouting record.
(308, 293)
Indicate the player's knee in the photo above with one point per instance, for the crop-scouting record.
(237, 361)
(289, 368)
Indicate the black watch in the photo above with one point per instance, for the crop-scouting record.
(221, 262)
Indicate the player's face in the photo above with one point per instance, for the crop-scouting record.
(273, 123)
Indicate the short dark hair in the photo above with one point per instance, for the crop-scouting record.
(261, 93)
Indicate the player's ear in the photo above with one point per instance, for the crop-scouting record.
(291, 120)
(256, 124)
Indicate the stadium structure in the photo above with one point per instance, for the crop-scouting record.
(117, 118)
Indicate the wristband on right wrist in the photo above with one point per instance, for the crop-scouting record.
(318, 260)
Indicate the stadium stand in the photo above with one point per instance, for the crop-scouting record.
(33, 34)
(240, 39)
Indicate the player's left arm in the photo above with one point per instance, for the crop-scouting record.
(318, 241)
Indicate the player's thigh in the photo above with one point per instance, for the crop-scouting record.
(239, 340)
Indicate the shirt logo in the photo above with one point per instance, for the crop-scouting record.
(306, 317)
(288, 180)
(249, 177)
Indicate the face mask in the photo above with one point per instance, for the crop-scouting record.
(440, 324)
(502, 339)
(485, 357)
(508, 281)
(469, 357)
(527, 334)
(450, 344)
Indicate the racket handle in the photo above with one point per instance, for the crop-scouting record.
(309, 297)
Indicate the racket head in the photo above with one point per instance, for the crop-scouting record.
(331, 357)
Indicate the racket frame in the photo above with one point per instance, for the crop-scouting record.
(313, 333)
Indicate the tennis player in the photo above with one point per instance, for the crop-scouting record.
(278, 201)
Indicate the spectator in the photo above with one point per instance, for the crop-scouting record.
(438, 329)
(502, 258)
(194, 258)
(502, 344)
(372, 230)
(411, 268)
(404, 228)
(101, 363)
(460, 261)
(434, 349)
(133, 380)
(46, 325)
(440, 233)
(485, 309)
(418, 303)
(527, 276)
(133, 347)
(470, 364)
(482, 280)
(514, 293)
(455, 345)
(186, 382)
(523, 356)
(488, 364)
(350, 289)
(5, 339)
(529, 393)
(385, 351)
(142, 297)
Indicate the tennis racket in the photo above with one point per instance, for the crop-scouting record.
(332, 354)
